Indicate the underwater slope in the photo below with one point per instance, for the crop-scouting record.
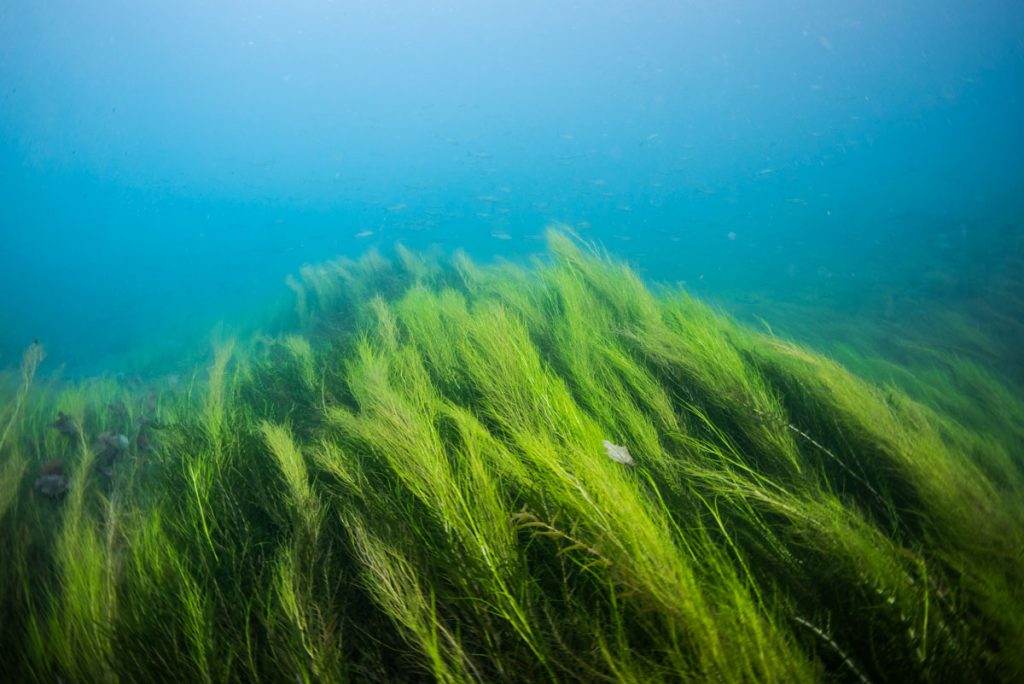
(452, 472)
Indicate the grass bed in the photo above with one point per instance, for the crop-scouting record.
(412, 484)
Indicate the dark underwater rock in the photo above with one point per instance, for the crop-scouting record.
(65, 425)
(52, 486)
(52, 467)
(110, 445)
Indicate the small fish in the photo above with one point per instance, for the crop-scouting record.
(364, 233)
(501, 235)
(619, 454)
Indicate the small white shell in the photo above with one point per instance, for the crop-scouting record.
(619, 454)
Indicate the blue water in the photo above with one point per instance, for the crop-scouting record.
(164, 166)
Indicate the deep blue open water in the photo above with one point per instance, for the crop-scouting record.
(165, 165)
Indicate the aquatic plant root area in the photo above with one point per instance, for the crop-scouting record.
(462, 473)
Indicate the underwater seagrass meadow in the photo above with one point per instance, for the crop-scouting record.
(440, 470)
(512, 342)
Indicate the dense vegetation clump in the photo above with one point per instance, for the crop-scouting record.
(452, 473)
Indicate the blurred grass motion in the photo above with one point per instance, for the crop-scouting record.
(412, 485)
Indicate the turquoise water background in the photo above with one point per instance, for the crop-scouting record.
(164, 166)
